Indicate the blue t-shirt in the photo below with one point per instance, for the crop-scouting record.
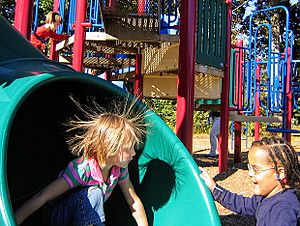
(281, 209)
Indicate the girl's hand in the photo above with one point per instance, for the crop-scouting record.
(207, 179)
(43, 46)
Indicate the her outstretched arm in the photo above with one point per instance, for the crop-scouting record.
(53, 190)
(234, 202)
(135, 204)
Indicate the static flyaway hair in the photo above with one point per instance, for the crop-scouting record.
(102, 132)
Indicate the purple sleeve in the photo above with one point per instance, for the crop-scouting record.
(236, 203)
(281, 214)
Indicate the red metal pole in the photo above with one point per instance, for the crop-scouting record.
(186, 73)
(53, 53)
(238, 125)
(78, 49)
(107, 75)
(141, 7)
(257, 108)
(138, 79)
(23, 17)
(289, 98)
(223, 141)
(111, 4)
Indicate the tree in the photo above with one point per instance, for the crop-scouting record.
(7, 9)
(242, 9)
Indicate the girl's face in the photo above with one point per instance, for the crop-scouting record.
(125, 155)
(54, 26)
(262, 173)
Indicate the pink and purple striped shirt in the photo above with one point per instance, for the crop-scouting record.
(87, 172)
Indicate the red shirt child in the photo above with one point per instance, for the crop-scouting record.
(39, 38)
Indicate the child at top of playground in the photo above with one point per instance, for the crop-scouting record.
(40, 36)
(105, 143)
(275, 172)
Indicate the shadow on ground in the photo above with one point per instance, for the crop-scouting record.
(204, 161)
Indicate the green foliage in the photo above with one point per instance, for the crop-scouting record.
(44, 7)
(166, 109)
(201, 124)
(7, 8)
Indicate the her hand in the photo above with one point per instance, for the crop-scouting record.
(207, 179)
(43, 46)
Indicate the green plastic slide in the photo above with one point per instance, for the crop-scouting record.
(34, 104)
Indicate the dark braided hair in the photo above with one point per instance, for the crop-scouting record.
(282, 154)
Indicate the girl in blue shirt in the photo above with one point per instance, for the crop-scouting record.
(275, 172)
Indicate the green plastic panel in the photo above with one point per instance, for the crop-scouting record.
(208, 102)
(13, 45)
(211, 33)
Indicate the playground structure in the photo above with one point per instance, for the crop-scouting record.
(34, 100)
(113, 35)
(265, 76)
(137, 41)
